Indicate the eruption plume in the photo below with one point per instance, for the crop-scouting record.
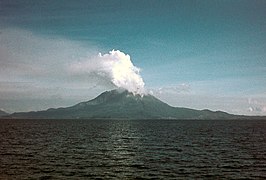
(115, 67)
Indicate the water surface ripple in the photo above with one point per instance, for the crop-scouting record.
(127, 149)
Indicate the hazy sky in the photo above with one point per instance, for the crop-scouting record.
(197, 54)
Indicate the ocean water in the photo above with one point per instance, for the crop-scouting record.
(132, 149)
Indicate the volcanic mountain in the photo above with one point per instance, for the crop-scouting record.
(117, 104)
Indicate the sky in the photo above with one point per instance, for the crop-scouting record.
(198, 54)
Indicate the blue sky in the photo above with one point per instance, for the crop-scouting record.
(197, 54)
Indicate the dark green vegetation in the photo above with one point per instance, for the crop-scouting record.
(3, 113)
(123, 104)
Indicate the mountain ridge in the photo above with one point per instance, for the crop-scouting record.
(3, 113)
(122, 104)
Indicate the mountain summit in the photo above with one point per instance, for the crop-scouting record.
(122, 104)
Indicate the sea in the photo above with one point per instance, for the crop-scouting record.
(132, 149)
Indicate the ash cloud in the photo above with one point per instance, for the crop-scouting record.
(115, 67)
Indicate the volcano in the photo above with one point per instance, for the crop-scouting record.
(118, 104)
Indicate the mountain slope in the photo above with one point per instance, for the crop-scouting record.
(3, 113)
(123, 104)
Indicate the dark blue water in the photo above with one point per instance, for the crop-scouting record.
(127, 149)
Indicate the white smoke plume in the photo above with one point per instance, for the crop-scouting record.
(115, 67)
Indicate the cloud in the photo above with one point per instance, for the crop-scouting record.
(183, 88)
(31, 56)
(115, 67)
(34, 70)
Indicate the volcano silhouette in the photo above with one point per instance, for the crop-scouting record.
(117, 104)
